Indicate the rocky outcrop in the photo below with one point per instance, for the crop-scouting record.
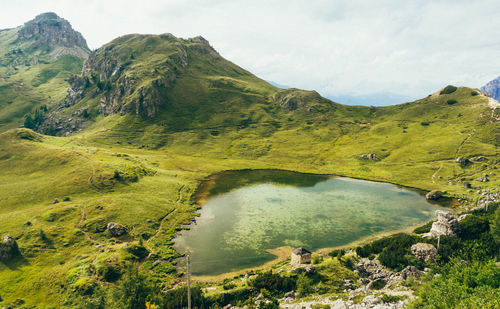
(370, 156)
(371, 269)
(424, 252)
(493, 88)
(410, 272)
(8, 248)
(434, 195)
(446, 224)
(51, 31)
(463, 161)
(116, 229)
(294, 99)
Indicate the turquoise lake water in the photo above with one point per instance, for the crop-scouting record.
(248, 212)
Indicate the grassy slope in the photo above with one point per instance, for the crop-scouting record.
(29, 80)
(219, 117)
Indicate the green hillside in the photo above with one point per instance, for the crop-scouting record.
(150, 117)
(34, 70)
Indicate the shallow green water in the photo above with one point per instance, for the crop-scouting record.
(271, 209)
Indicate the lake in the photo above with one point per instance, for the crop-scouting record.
(246, 212)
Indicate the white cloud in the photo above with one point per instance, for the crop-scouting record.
(347, 47)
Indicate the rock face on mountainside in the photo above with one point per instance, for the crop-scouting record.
(123, 87)
(51, 32)
(493, 88)
(446, 224)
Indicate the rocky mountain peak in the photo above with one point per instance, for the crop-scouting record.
(493, 88)
(51, 32)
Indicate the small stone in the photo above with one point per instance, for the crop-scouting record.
(55, 201)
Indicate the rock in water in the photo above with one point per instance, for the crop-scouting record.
(116, 229)
(424, 252)
(8, 248)
(434, 195)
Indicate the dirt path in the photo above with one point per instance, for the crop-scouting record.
(436, 172)
(162, 220)
(91, 177)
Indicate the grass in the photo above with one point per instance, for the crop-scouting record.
(216, 117)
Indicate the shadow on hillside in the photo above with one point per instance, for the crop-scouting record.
(16, 262)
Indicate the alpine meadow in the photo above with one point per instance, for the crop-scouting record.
(108, 156)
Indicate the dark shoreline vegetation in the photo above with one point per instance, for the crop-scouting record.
(106, 172)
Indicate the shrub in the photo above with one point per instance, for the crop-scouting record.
(448, 89)
(377, 284)
(451, 101)
(274, 283)
(474, 93)
(424, 228)
(473, 226)
(424, 123)
(229, 286)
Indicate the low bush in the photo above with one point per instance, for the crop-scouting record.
(424, 228)
(473, 226)
(451, 101)
(448, 89)
(274, 283)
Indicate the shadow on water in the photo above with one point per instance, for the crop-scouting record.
(231, 180)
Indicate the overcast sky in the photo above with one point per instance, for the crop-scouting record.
(392, 48)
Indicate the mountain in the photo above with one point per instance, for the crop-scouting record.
(35, 61)
(133, 129)
(493, 88)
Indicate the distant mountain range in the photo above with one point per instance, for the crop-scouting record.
(493, 88)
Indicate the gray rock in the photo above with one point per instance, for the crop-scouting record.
(8, 248)
(370, 156)
(463, 161)
(434, 195)
(410, 272)
(424, 252)
(116, 229)
(447, 224)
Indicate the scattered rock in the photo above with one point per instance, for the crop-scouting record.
(55, 201)
(290, 294)
(463, 161)
(467, 185)
(371, 269)
(434, 195)
(410, 272)
(8, 248)
(116, 229)
(424, 252)
(447, 224)
(369, 156)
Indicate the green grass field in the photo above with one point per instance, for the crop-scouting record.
(142, 172)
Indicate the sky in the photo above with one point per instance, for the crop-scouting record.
(360, 52)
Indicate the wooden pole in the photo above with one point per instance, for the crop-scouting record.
(439, 238)
(188, 280)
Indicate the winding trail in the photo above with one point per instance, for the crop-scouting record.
(91, 177)
(436, 172)
(162, 220)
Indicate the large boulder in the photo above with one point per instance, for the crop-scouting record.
(434, 195)
(371, 269)
(8, 248)
(410, 272)
(116, 229)
(424, 252)
(446, 224)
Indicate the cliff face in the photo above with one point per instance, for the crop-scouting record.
(54, 34)
(493, 88)
(125, 80)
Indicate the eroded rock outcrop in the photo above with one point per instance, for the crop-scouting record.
(434, 195)
(116, 229)
(48, 30)
(446, 224)
(424, 252)
(8, 248)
